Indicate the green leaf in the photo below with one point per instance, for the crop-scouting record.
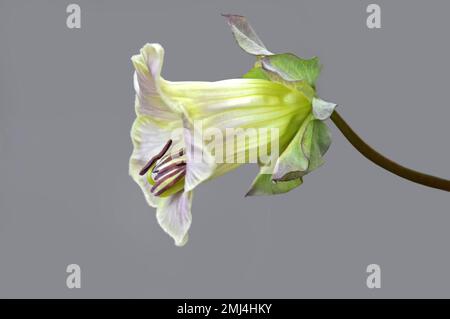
(245, 36)
(264, 185)
(292, 68)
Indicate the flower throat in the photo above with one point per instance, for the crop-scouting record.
(166, 171)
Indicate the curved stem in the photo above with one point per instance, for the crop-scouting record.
(386, 163)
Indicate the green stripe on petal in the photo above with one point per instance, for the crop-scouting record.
(239, 103)
(242, 104)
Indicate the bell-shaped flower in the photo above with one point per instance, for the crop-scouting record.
(169, 160)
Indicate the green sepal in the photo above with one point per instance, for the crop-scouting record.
(305, 152)
(322, 110)
(257, 72)
(315, 143)
(293, 163)
(292, 68)
(245, 36)
(264, 185)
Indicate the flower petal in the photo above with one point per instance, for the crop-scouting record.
(174, 216)
(147, 82)
(241, 104)
(200, 164)
(148, 139)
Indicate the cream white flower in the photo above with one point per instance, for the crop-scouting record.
(163, 133)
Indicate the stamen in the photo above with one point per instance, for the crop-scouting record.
(162, 171)
(173, 182)
(181, 171)
(168, 168)
(162, 180)
(169, 158)
(155, 158)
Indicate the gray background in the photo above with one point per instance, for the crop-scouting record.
(66, 108)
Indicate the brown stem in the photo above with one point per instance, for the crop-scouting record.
(386, 163)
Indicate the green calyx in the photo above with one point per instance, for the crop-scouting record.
(305, 151)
